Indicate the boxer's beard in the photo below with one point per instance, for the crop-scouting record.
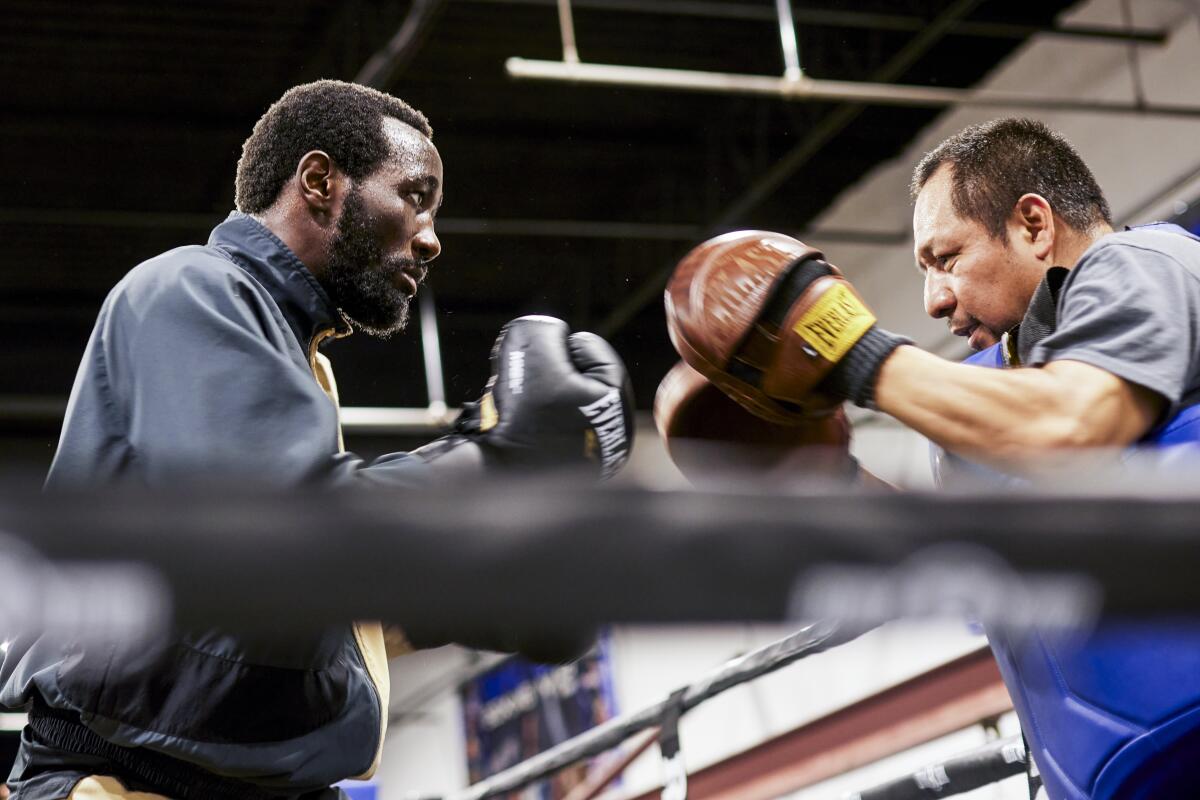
(359, 279)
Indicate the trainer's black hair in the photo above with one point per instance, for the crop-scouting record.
(996, 162)
(344, 120)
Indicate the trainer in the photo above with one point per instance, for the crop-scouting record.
(1096, 334)
(204, 364)
(1015, 240)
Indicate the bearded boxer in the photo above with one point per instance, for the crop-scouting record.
(204, 362)
(1096, 333)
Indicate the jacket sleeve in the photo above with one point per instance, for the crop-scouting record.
(200, 363)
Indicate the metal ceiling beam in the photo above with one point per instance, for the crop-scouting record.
(460, 226)
(810, 90)
(566, 26)
(570, 228)
(819, 17)
(455, 226)
(789, 40)
(825, 130)
(104, 218)
(43, 411)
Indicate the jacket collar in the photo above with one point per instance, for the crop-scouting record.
(307, 308)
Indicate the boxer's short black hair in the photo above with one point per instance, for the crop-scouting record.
(344, 120)
(997, 162)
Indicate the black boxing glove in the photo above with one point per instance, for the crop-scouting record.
(555, 399)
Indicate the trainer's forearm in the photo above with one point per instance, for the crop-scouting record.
(1005, 418)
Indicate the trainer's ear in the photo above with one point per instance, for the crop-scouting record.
(1033, 220)
(316, 179)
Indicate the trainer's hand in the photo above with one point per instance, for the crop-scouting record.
(555, 399)
(773, 325)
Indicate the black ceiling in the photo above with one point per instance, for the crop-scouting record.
(122, 123)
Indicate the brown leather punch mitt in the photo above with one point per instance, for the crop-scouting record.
(715, 441)
(765, 318)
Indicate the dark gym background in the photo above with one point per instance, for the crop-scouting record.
(122, 123)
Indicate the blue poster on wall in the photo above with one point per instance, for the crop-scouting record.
(519, 709)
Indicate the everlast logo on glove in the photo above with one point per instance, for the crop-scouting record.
(835, 322)
(607, 418)
(555, 399)
(516, 371)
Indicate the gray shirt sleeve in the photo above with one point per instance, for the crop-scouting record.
(1131, 310)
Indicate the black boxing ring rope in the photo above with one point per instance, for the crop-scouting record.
(545, 557)
(809, 640)
(987, 764)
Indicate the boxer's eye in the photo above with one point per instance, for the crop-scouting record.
(416, 198)
(943, 262)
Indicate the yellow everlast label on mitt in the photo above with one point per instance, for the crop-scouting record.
(835, 322)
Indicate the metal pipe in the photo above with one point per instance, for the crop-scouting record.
(808, 89)
(101, 218)
(32, 408)
(431, 348)
(965, 772)
(825, 17)
(787, 38)
(562, 228)
(1135, 65)
(467, 226)
(567, 25)
(462, 226)
(355, 419)
(398, 421)
(456, 226)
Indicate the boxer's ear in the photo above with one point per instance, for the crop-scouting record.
(317, 179)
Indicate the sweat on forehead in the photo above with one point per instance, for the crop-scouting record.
(407, 144)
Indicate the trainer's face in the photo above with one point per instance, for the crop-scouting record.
(980, 285)
(384, 241)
